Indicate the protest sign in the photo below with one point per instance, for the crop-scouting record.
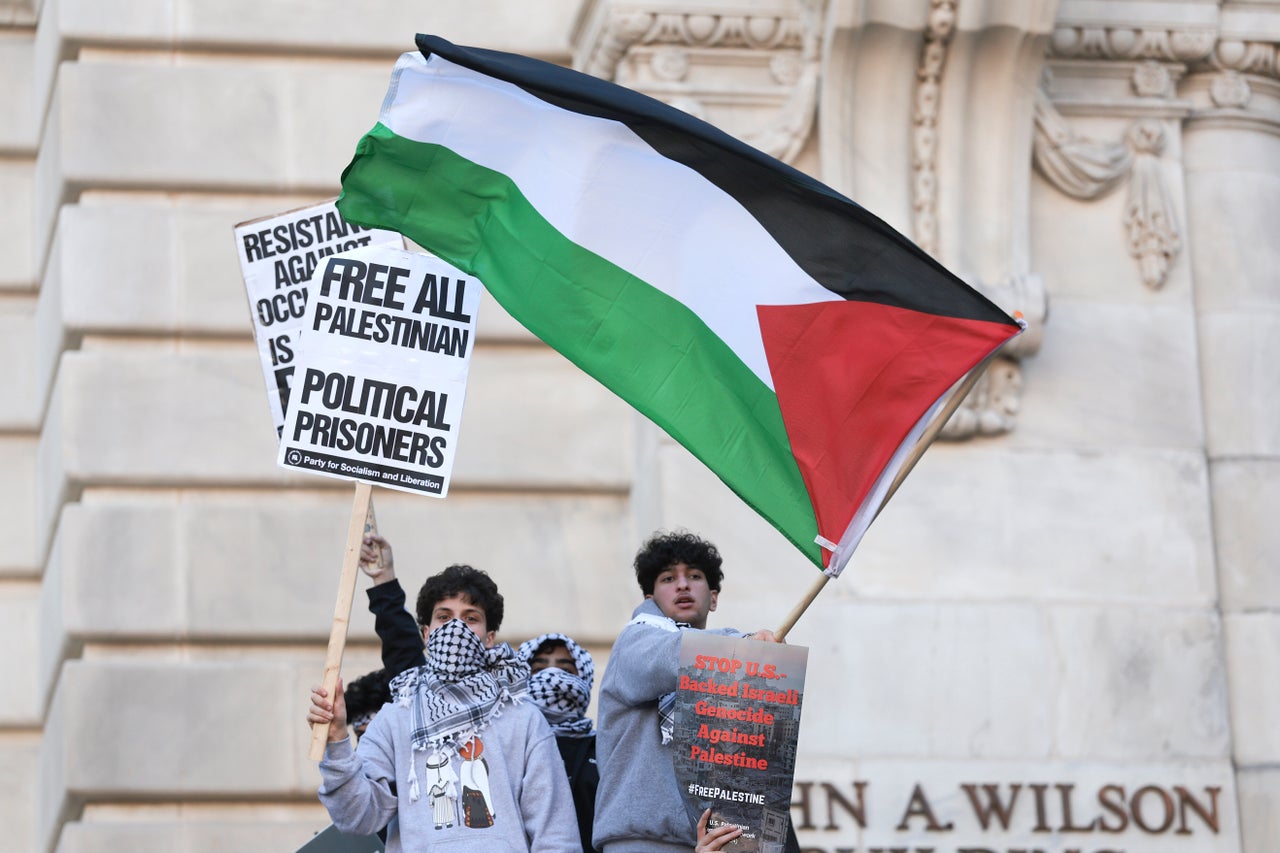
(382, 374)
(329, 840)
(737, 719)
(278, 255)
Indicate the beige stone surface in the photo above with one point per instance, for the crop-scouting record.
(252, 568)
(1002, 525)
(272, 571)
(54, 645)
(1012, 680)
(18, 272)
(1242, 401)
(1252, 653)
(1259, 808)
(19, 543)
(330, 26)
(18, 405)
(119, 572)
(1235, 255)
(20, 703)
(1246, 493)
(1041, 525)
(19, 130)
(118, 715)
(143, 834)
(1140, 683)
(198, 412)
(225, 125)
(101, 248)
(1113, 376)
(19, 754)
(556, 559)
(928, 680)
(1079, 245)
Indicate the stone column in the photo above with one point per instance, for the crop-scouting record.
(1232, 165)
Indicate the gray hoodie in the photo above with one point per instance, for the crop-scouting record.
(519, 785)
(639, 807)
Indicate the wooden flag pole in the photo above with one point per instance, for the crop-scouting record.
(922, 444)
(361, 521)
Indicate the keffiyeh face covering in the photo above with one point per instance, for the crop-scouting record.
(461, 689)
(562, 696)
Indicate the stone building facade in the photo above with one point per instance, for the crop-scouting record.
(1062, 634)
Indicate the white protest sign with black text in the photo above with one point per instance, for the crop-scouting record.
(278, 255)
(382, 373)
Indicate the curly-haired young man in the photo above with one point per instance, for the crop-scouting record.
(639, 807)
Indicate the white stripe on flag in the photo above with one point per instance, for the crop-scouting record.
(605, 189)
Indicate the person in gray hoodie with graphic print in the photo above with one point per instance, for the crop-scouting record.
(458, 759)
(639, 807)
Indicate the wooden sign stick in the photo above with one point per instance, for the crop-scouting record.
(361, 519)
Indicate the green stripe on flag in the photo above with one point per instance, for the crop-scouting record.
(645, 346)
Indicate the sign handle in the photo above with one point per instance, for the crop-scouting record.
(361, 520)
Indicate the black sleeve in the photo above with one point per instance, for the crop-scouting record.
(401, 639)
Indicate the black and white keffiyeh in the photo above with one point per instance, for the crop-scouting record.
(562, 696)
(581, 657)
(460, 690)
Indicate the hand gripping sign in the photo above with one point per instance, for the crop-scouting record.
(378, 388)
(737, 719)
(382, 375)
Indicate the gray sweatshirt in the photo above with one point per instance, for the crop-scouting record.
(639, 807)
(519, 786)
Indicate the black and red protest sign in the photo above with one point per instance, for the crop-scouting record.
(736, 726)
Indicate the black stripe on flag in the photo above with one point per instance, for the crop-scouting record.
(843, 246)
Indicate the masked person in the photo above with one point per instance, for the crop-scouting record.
(563, 673)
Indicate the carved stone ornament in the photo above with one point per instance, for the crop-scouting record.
(1230, 89)
(1128, 43)
(991, 406)
(1081, 168)
(1086, 169)
(924, 120)
(1152, 80)
(751, 69)
(1149, 218)
(1245, 57)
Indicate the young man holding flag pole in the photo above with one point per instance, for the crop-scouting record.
(639, 805)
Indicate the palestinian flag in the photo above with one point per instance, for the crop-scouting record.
(791, 340)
